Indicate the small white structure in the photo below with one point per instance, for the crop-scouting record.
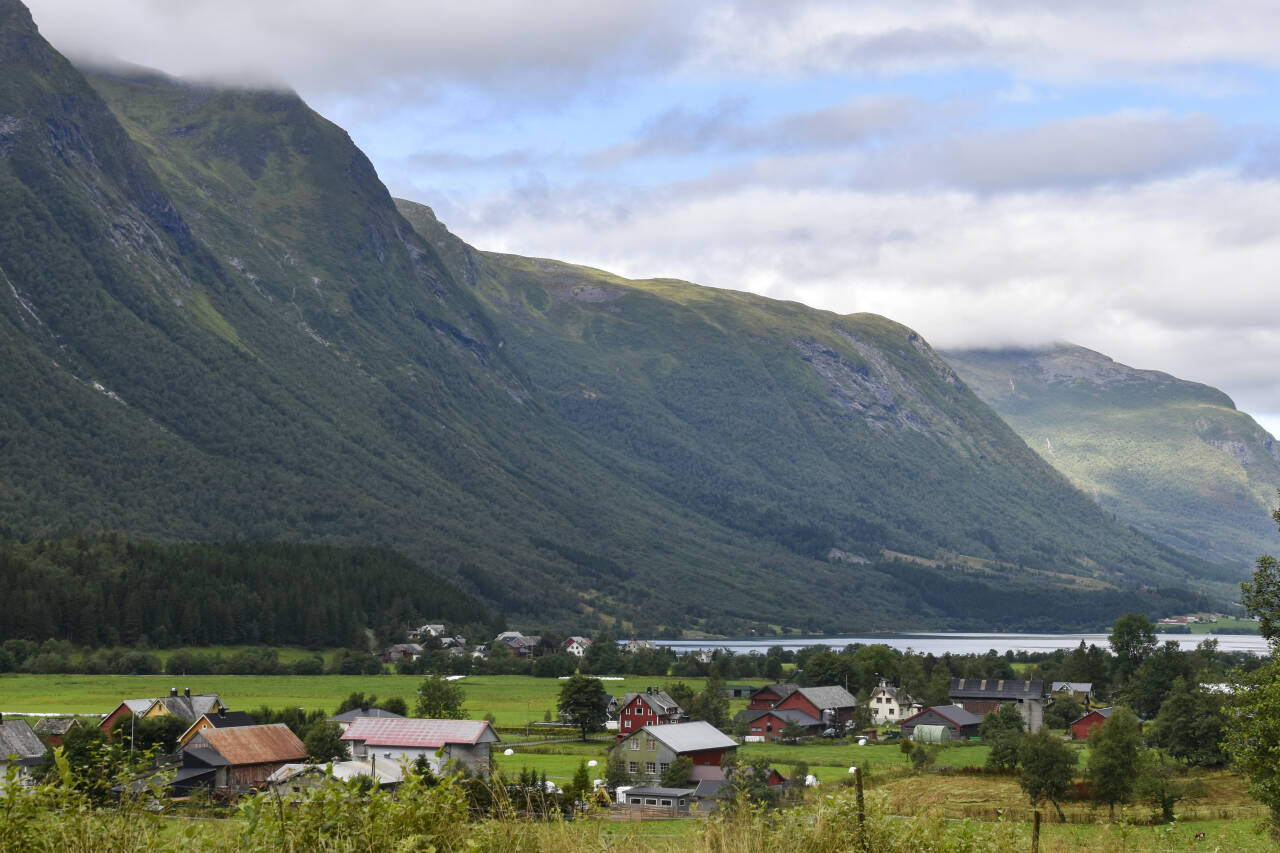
(577, 646)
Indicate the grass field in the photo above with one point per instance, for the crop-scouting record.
(514, 700)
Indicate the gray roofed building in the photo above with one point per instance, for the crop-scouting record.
(984, 695)
(55, 728)
(961, 723)
(829, 697)
(18, 739)
(188, 706)
(691, 737)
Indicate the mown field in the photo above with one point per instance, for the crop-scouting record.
(514, 700)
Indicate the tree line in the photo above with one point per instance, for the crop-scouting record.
(111, 590)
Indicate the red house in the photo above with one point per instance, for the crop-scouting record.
(830, 705)
(650, 708)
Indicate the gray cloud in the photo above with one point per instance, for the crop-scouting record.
(324, 48)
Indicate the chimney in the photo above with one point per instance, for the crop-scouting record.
(173, 691)
(186, 691)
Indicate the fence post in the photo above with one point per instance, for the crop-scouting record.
(1035, 831)
(862, 809)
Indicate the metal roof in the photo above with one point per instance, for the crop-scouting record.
(376, 731)
(690, 737)
(17, 738)
(255, 744)
(995, 688)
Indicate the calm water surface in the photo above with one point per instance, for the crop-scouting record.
(942, 643)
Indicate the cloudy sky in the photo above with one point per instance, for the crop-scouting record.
(988, 172)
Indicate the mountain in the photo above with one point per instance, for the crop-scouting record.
(217, 324)
(1175, 459)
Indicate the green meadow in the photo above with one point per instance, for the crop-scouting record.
(513, 700)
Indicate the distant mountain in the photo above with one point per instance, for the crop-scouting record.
(1175, 459)
(216, 324)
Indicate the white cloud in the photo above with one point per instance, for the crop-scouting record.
(1150, 274)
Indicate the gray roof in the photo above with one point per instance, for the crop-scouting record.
(782, 689)
(56, 725)
(690, 737)
(228, 719)
(350, 716)
(206, 756)
(709, 788)
(658, 701)
(995, 688)
(1101, 712)
(954, 713)
(656, 791)
(1073, 686)
(790, 715)
(830, 696)
(17, 738)
(191, 707)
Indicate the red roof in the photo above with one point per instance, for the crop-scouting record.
(382, 731)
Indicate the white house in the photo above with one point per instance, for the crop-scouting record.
(577, 646)
(890, 704)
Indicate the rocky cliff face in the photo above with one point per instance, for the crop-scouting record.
(1173, 458)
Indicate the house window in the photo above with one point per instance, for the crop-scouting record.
(632, 767)
(651, 744)
(890, 712)
(662, 768)
(634, 743)
(626, 724)
(650, 767)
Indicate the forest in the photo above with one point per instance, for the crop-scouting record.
(111, 590)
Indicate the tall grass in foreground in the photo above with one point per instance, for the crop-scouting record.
(451, 816)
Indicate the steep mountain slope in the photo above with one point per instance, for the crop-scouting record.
(217, 324)
(1173, 458)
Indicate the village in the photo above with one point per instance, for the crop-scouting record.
(643, 754)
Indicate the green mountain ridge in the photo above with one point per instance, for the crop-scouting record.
(218, 325)
(1174, 458)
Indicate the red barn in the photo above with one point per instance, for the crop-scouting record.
(1083, 727)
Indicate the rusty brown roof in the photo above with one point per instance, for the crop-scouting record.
(255, 744)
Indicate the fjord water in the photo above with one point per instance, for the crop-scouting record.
(963, 643)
